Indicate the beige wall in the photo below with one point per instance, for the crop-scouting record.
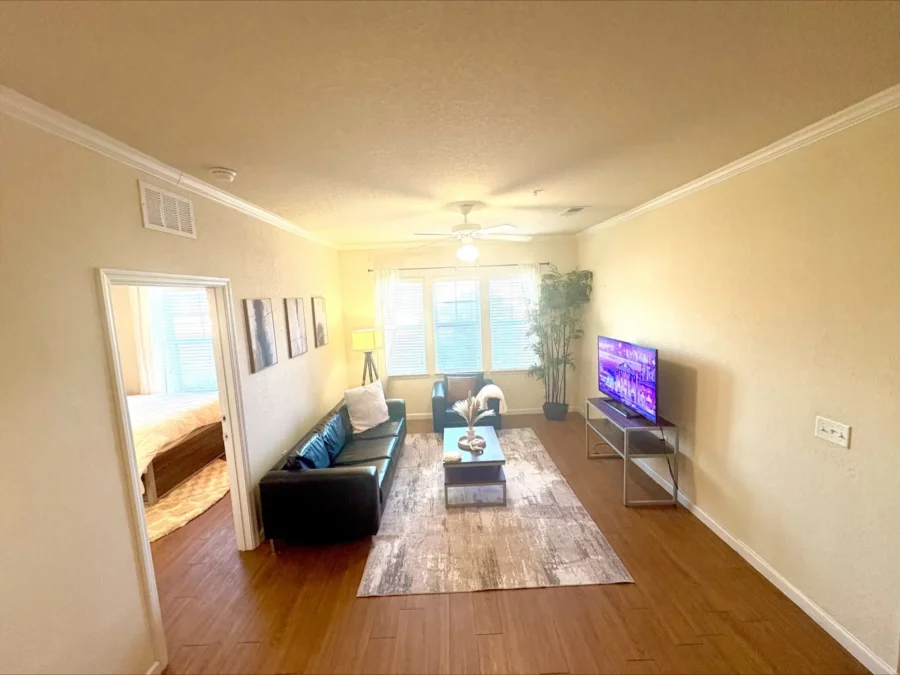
(121, 302)
(69, 582)
(774, 297)
(358, 288)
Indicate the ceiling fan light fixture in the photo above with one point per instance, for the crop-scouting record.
(468, 252)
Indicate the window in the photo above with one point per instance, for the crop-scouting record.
(183, 339)
(457, 326)
(511, 346)
(404, 329)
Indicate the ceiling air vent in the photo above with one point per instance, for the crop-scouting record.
(572, 210)
(167, 212)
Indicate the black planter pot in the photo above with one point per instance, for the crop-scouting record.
(556, 411)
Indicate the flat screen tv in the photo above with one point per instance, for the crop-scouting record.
(627, 374)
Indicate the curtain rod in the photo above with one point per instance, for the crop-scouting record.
(455, 267)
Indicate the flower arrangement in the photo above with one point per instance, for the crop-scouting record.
(471, 412)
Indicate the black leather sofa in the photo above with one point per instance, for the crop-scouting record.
(333, 484)
(442, 414)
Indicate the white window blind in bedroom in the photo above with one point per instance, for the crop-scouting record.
(457, 326)
(511, 346)
(183, 339)
(404, 329)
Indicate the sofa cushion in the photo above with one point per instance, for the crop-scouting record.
(459, 387)
(308, 454)
(366, 406)
(344, 412)
(364, 452)
(334, 436)
(381, 465)
(387, 429)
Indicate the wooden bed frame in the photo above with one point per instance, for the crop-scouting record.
(171, 467)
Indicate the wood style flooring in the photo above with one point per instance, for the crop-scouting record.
(696, 606)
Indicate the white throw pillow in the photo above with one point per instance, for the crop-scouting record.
(366, 406)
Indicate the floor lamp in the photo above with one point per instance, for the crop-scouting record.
(366, 340)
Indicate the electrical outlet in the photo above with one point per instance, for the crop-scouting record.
(833, 432)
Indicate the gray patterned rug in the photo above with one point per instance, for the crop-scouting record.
(543, 537)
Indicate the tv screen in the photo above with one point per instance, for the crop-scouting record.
(627, 373)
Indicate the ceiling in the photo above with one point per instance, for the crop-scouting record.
(360, 121)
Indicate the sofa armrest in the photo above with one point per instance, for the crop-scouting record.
(321, 504)
(396, 408)
(440, 392)
(438, 398)
(493, 404)
(438, 406)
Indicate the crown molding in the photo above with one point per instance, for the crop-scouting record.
(858, 112)
(19, 106)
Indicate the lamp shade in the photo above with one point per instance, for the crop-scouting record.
(365, 340)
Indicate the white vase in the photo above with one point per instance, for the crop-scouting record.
(470, 433)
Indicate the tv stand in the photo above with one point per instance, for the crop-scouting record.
(622, 409)
(632, 438)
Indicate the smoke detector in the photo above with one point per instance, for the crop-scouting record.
(222, 175)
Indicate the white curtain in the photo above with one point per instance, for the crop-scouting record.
(385, 287)
(150, 375)
(530, 275)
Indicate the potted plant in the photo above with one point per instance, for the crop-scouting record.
(553, 323)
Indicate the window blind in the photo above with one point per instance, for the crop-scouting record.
(457, 326)
(183, 337)
(511, 346)
(404, 329)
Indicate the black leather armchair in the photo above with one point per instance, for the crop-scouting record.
(442, 415)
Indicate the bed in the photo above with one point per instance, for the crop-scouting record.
(175, 435)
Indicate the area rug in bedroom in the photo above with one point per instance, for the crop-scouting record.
(542, 537)
(187, 501)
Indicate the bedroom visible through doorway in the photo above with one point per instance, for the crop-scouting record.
(168, 357)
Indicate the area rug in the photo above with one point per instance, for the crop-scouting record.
(542, 537)
(194, 496)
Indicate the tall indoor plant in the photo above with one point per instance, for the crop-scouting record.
(554, 322)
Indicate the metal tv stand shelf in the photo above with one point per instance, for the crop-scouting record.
(632, 438)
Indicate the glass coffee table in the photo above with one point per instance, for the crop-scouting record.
(474, 470)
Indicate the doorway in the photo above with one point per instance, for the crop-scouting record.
(197, 368)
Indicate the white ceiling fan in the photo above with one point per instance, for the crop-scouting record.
(466, 233)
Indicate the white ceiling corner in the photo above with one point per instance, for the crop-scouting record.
(880, 103)
(19, 106)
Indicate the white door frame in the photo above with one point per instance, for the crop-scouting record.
(242, 505)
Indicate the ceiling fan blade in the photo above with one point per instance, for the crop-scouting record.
(429, 234)
(430, 243)
(504, 237)
(505, 227)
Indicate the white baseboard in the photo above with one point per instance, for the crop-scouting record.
(155, 669)
(844, 637)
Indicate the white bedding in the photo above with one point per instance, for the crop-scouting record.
(158, 420)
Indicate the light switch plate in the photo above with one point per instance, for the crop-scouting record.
(833, 432)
